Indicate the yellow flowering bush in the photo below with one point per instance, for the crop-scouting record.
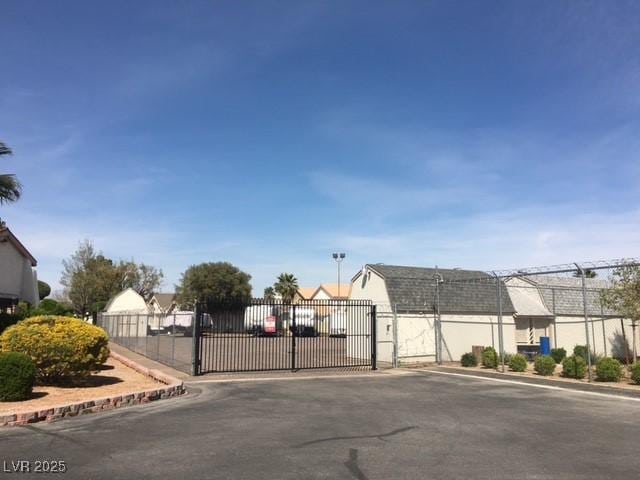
(62, 348)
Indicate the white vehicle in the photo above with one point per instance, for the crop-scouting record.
(260, 319)
(305, 321)
(183, 321)
(338, 324)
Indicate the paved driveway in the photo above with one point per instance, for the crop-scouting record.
(423, 426)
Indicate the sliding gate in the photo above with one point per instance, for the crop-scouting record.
(271, 335)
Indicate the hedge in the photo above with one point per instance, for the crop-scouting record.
(62, 348)
(558, 354)
(635, 372)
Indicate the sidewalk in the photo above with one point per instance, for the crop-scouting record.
(246, 376)
(598, 387)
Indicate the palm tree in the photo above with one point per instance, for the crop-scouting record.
(286, 286)
(269, 294)
(10, 188)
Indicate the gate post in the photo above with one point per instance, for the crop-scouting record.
(195, 345)
(374, 339)
(294, 330)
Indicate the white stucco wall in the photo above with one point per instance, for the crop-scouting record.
(17, 276)
(570, 331)
(461, 332)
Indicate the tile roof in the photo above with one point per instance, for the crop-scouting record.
(306, 292)
(332, 289)
(413, 288)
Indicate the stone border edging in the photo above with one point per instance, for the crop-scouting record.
(173, 387)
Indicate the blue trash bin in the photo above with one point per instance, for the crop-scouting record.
(545, 346)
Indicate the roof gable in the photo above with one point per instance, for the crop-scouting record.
(8, 236)
(331, 289)
(563, 295)
(414, 288)
(165, 300)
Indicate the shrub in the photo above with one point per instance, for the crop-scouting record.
(544, 365)
(507, 358)
(635, 372)
(490, 357)
(581, 351)
(17, 375)
(574, 367)
(558, 354)
(62, 348)
(608, 370)
(468, 360)
(518, 363)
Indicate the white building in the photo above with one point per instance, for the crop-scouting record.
(406, 311)
(18, 278)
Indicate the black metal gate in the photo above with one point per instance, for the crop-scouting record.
(267, 335)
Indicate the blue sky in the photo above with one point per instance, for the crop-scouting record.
(270, 134)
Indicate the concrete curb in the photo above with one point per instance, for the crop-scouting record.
(173, 387)
(569, 385)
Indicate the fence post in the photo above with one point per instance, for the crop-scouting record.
(374, 339)
(294, 332)
(173, 341)
(438, 278)
(195, 345)
(500, 331)
(394, 332)
(586, 317)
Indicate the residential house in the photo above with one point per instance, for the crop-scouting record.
(18, 278)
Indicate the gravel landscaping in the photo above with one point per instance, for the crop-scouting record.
(113, 380)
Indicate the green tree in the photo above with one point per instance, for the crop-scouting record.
(43, 289)
(624, 295)
(213, 280)
(144, 279)
(90, 279)
(286, 286)
(10, 188)
(269, 294)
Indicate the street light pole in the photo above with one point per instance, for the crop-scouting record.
(338, 257)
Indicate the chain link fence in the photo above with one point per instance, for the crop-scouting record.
(164, 338)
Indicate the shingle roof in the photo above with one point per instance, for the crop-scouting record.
(413, 288)
(165, 300)
(563, 295)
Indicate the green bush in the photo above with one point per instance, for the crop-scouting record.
(507, 358)
(558, 354)
(544, 365)
(490, 357)
(17, 376)
(468, 360)
(574, 367)
(608, 370)
(635, 372)
(518, 363)
(63, 348)
(581, 351)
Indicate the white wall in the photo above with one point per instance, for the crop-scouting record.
(17, 277)
(461, 332)
(570, 331)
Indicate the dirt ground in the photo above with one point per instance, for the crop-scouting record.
(114, 379)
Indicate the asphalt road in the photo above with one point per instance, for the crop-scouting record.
(423, 426)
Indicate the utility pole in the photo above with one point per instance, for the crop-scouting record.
(586, 317)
